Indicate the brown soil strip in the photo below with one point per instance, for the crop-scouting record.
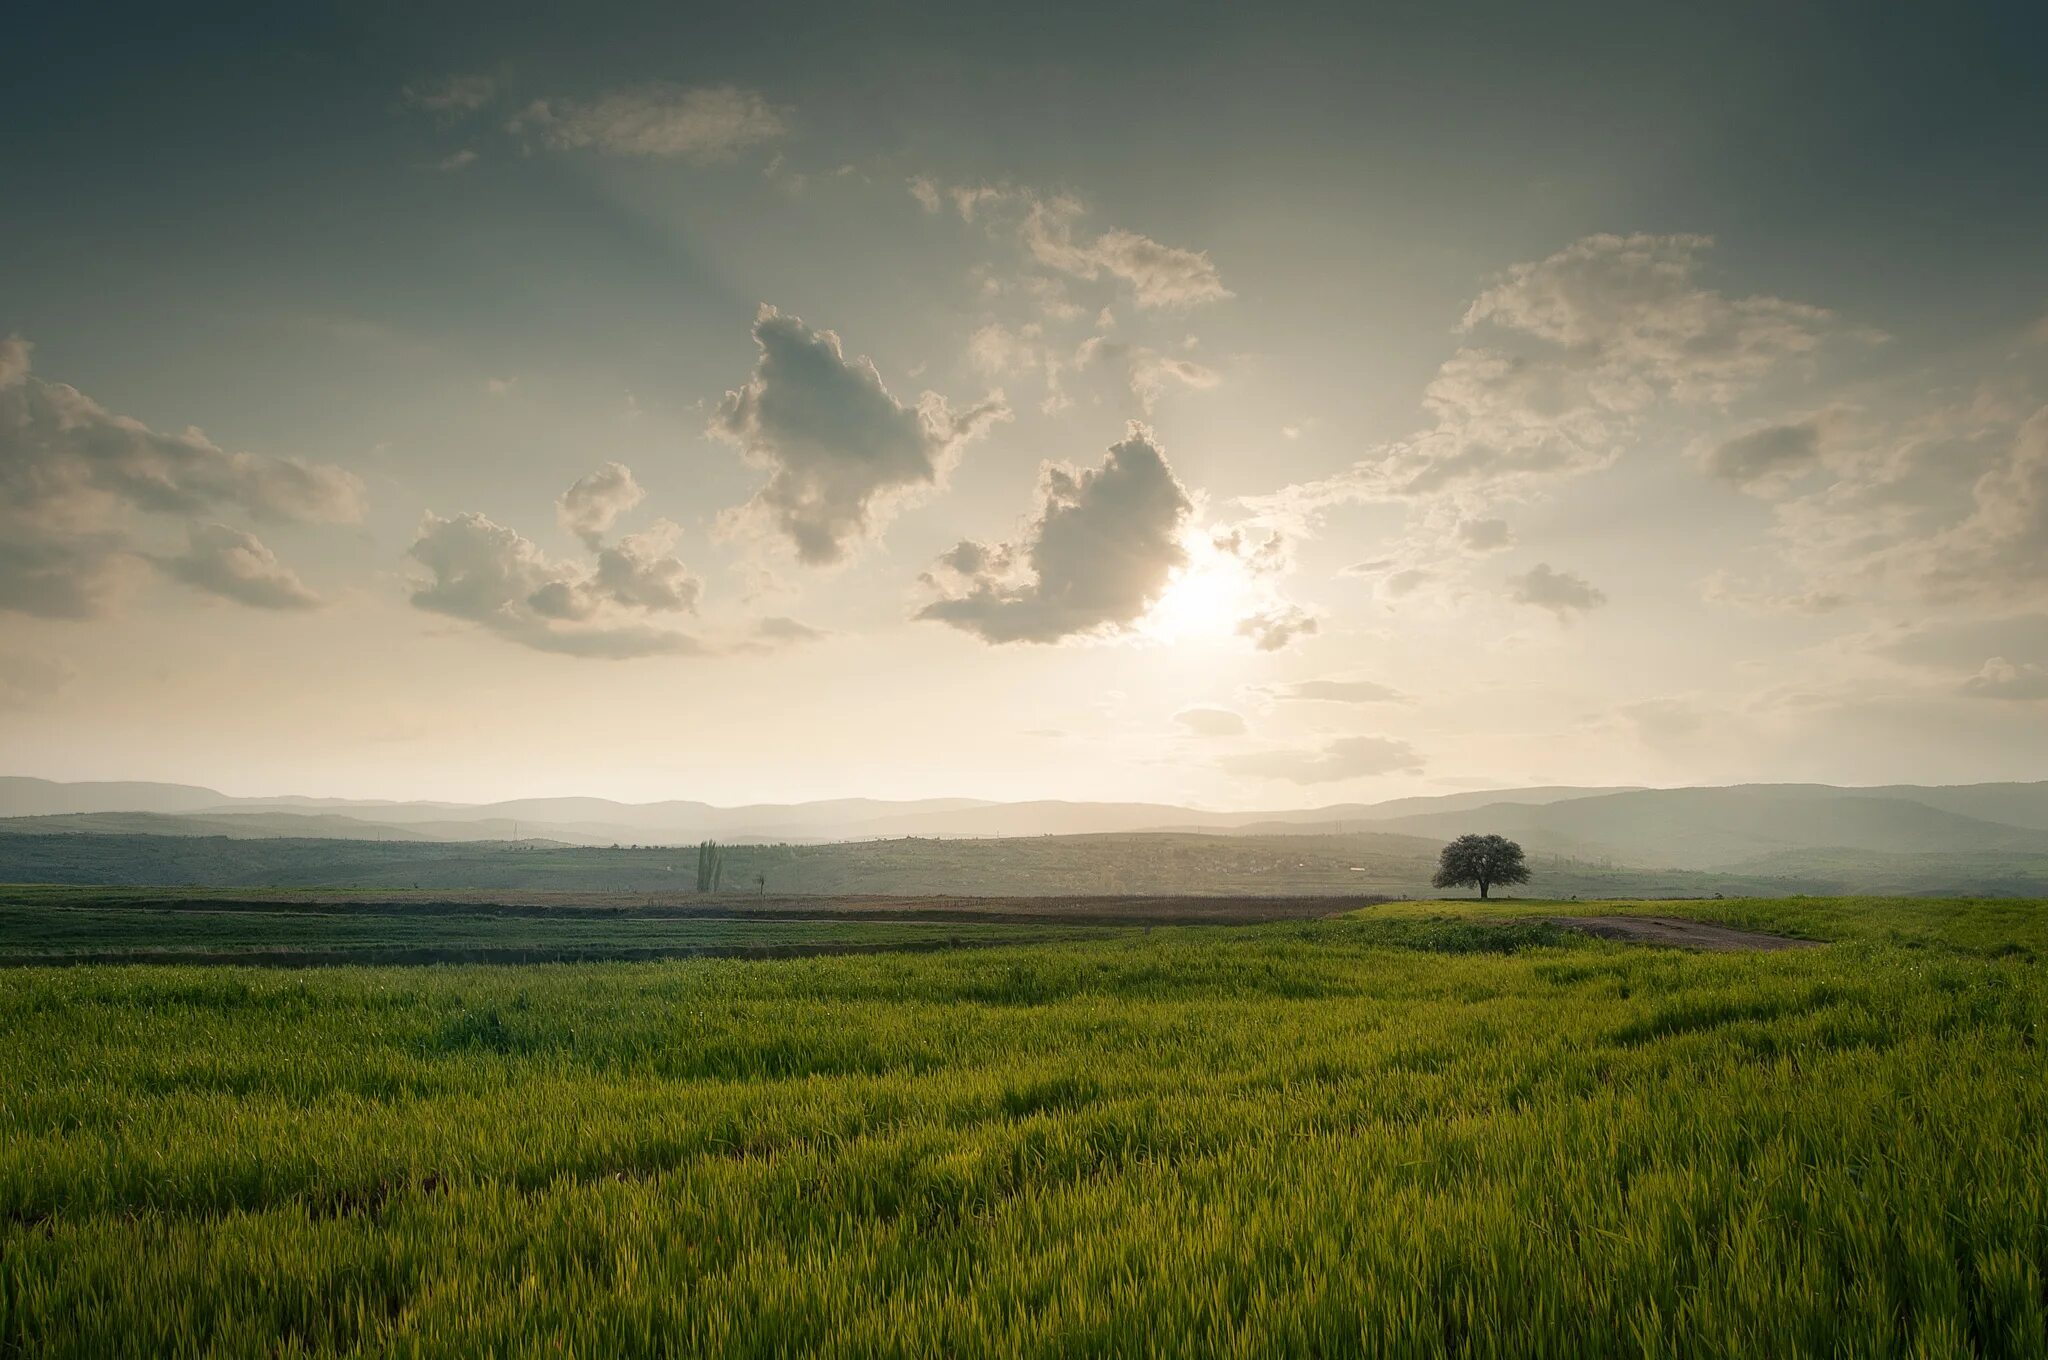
(406, 955)
(1675, 932)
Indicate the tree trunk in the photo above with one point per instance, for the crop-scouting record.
(1482, 890)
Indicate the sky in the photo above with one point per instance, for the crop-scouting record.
(1234, 406)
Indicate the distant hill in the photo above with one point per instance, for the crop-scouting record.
(1772, 829)
(232, 825)
(1718, 828)
(20, 797)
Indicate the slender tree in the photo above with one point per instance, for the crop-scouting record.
(1480, 862)
(710, 866)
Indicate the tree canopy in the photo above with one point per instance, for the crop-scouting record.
(1480, 862)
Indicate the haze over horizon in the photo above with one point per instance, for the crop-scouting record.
(1170, 404)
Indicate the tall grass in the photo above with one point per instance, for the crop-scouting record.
(1400, 1134)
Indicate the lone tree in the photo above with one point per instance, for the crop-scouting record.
(1480, 862)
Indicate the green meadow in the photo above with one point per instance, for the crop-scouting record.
(1419, 1129)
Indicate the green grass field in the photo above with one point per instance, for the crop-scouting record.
(1424, 1128)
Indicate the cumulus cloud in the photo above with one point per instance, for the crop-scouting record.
(1211, 722)
(237, 566)
(590, 507)
(1099, 552)
(640, 571)
(841, 453)
(2003, 679)
(1340, 692)
(1338, 759)
(1561, 592)
(486, 573)
(702, 124)
(1273, 628)
(75, 477)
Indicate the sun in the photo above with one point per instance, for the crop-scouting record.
(1205, 597)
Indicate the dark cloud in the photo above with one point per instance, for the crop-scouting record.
(1561, 592)
(237, 566)
(1768, 456)
(1341, 758)
(840, 451)
(1098, 554)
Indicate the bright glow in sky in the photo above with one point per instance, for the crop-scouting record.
(1190, 405)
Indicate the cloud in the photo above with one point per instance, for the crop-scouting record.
(1562, 593)
(1272, 629)
(1721, 587)
(1099, 552)
(1338, 759)
(1950, 643)
(1593, 337)
(456, 160)
(1484, 535)
(1150, 373)
(641, 572)
(700, 124)
(237, 566)
(1632, 307)
(1158, 275)
(589, 507)
(2002, 679)
(1339, 692)
(452, 97)
(1999, 552)
(485, 573)
(74, 478)
(1211, 722)
(780, 629)
(840, 451)
(1767, 458)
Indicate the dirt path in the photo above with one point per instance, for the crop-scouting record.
(1683, 934)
